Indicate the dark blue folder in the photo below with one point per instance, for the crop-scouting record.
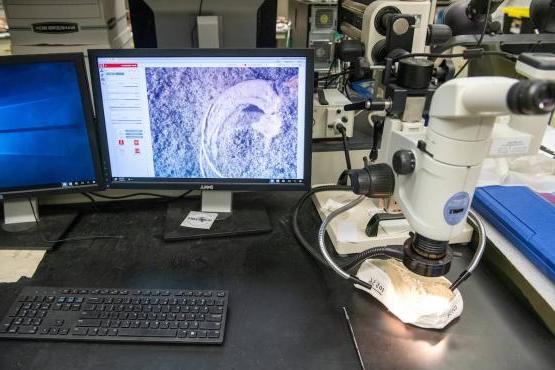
(524, 218)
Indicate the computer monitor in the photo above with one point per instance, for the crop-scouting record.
(207, 119)
(47, 140)
(173, 24)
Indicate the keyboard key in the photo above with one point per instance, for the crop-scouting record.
(213, 334)
(54, 322)
(213, 317)
(89, 323)
(89, 315)
(28, 329)
(79, 331)
(147, 333)
(216, 310)
(210, 325)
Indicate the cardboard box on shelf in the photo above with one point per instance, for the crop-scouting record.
(68, 24)
(122, 41)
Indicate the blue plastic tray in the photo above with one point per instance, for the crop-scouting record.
(524, 218)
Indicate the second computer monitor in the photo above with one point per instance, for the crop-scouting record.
(205, 119)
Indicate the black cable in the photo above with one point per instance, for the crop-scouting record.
(346, 90)
(343, 130)
(330, 81)
(92, 200)
(547, 150)
(474, 53)
(534, 47)
(332, 75)
(479, 43)
(428, 55)
(92, 237)
(483, 34)
(462, 69)
(295, 218)
(195, 25)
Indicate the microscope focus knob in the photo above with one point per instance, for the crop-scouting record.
(374, 181)
(404, 162)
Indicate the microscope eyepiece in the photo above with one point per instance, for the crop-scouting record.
(532, 97)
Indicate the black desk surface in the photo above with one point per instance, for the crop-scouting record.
(285, 311)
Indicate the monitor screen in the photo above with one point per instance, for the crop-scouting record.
(45, 130)
(210, 119)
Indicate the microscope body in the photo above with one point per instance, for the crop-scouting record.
(436, 167)
(439, 165)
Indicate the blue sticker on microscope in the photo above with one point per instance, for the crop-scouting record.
(456, 207)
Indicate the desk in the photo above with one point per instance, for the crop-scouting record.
(285, 311)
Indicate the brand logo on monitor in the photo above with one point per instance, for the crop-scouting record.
(55, 27)
(207, 187)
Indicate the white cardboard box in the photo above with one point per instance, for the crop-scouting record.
(65, 22)
(123, 41)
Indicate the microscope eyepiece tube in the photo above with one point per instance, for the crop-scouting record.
(532, 97)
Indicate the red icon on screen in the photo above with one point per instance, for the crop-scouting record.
(136, 142)
(137, 151)
(121, 142)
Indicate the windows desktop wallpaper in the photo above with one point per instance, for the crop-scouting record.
(43, 132)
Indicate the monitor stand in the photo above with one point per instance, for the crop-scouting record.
(20, 229)
(242, 217)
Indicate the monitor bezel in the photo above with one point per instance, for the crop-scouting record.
(78, 61)
(201, 184)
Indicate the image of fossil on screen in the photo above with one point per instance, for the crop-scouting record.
(224, 122)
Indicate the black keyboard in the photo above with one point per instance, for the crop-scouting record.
(118, 315)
